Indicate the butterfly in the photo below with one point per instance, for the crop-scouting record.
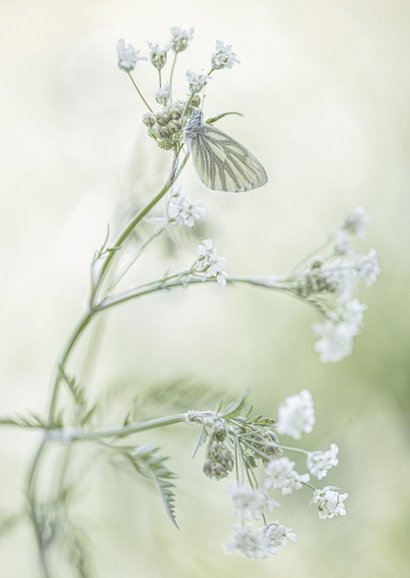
(220, 161)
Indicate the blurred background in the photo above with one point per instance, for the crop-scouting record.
(325, 90)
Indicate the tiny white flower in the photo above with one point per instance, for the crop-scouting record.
(330, 502)
(336, 333)
(280, 474)
(181, 211)
(162, 95)
(276, 535)
(180, 38)
(319, 463)
(127, 56)
(209, 263)
(249, 502)
(341, 242)
(367, 267)
(296, 415)
(223, 57)
(196, 81)
(258, 544)
(251, 544)
(357, 222)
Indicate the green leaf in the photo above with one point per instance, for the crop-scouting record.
(216, 118)
(150, 465)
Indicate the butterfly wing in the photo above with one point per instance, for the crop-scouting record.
(223, 164)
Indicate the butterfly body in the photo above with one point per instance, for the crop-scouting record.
(221, 162)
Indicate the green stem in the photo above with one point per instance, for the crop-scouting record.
(139, 92)
(84, 321)
(292, 449)
(174, 174)
(129, 428)
(31, 497)
(171, 76)
(167, 284)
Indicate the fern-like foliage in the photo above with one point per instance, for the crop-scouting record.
(33, 421)
(146, 460)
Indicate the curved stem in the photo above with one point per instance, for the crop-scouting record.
(139, 92)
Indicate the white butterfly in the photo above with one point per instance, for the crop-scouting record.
(221, 162)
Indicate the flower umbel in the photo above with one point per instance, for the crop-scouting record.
(183, 212)
(127, 56)
(319, 463)
(296, 415)
(280, 474)
(209, 263)
(330, 503)
(223, 57)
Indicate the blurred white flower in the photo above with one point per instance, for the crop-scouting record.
(180, 38)
(127, 56)
(336, 333)
(258, 544)
(182, 211)
(248, 542)
(330, 502)
(223, 57)
(163, 94)
(367, 267)
(249, 502)
(357, 222)
(209, 263)
(280, 474)
(276, 535)
(196, 81)
(319, 463)
(296, 415)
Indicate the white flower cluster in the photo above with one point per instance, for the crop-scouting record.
(340, 275)
(259, 544)
(296, 415)
(250, 503)
(330, 502)
(127, 56)
(319, 463)
(223, 57)
(196, 82)
(181, 211)
(181, 38)
(163, 94)
(280, 475)
(209, 264)
(337, 331)
(158, 55)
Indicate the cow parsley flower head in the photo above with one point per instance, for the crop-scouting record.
(357, 222)
(181, 211)
(181, 38)
(296, 415)
(196, 81)
(258, 544)
(276, 535)
(319, 463)
(280, 474)
(158, 55)
(209, 263)
(249, 502)
(337, 331)
(223, 57)
(367, 267)
(249, 543)
(127, 56)
(330, 503)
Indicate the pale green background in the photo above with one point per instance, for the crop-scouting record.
(325, 89)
